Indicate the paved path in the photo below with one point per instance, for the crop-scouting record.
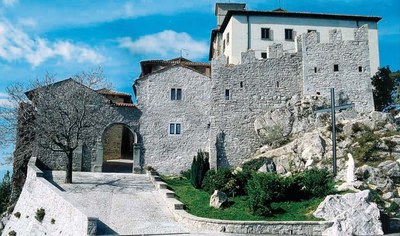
(125, 203)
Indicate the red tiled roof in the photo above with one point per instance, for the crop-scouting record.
(121, 104)
(110, 92)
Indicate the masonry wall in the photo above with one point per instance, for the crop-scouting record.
(352, 81)
(89, 154)
(255, 86)
(171, 153)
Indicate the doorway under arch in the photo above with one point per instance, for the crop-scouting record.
(118, 142)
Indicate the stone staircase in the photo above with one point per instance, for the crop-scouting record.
(124, 203)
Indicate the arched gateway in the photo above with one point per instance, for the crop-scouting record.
(117, 150)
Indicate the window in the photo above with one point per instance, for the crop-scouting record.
(315, 70)
(289, 34)
(264, 55)
(174, 128)
(227, 95)
(277, 84)
(311, 30)
(360, 69)
(227, 39)
(227, 60)
(241, 84)
(223, 46)
(265, 33)
(336, 67)
(176, 94)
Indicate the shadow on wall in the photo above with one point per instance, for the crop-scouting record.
(222, 160)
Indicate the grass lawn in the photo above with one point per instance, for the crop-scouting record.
(197, 203)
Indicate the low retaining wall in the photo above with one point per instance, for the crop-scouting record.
(231, 226)
(63, 216)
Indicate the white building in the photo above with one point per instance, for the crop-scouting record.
(239, 30)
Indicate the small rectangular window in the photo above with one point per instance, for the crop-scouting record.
(176, 94)
(227, 95)
(277, 84)
(173, 94)
(265, 33)
(336, 67)
(241, 84)
(175, 128)
(311, 30)
(264, 55)
(315, 70)
(289, 34)
(227, 39)
(360, 69)
(171, 128)
(223, 46)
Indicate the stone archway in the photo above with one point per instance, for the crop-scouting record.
(117, 150)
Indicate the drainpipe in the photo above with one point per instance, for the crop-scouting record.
(248, 33)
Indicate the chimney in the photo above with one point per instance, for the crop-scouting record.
(222, 8)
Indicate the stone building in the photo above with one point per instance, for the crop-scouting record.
(184, 106)
(239, 30)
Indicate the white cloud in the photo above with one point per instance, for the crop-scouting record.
(167, 44)
(15, 44)
(4, 102)
(29, 22)
(9, 3)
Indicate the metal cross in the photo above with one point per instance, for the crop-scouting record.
(332, 110)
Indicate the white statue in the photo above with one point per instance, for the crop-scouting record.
(350, 177)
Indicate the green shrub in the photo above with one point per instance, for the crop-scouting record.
(255, 164)
(200, 166)
(17, 214)
(317, 183)
(390, 145)
(264, 189)
(185, 173)
(222, 180)
(359, 127)
(5, 192)
(40, 213)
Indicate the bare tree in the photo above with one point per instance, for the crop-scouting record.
(64, 111)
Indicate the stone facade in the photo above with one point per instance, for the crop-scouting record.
(181, 110)
(89, 154)
(171, 153)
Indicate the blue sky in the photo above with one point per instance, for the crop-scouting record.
(66, 37)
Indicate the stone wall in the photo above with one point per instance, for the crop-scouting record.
(89, 154)
(352, 81)
(255, 86)
(171, 153)
(69, 218)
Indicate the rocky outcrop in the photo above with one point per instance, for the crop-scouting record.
(352, 214)
(218, 199)
(375, 178)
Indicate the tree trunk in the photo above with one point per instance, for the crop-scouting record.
(68, 177)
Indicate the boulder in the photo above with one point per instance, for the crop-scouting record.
(218, 199)
(268, 167)
(311, 146)
(391, 169)
(375, 178)
(352, 214)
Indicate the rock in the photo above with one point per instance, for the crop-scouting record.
(390, 168)
(352, 214)
(387, 196)
(280, 170)
(268, 167)
(218, 199)
(311, 146)
(375, 178)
